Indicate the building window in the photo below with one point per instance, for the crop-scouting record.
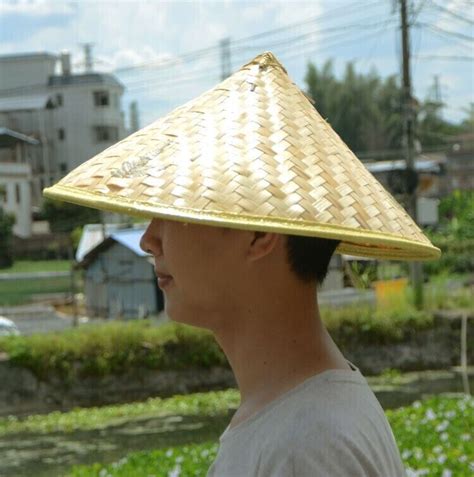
(101, 98)
(106, 133)
(63, 167)
(17, 193)
(61, 134)
(59, 99)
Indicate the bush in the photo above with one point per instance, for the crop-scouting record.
(370, 326)
(454, 234)
(65, 217)
(6, 233)
(113, 348)
(457, 256)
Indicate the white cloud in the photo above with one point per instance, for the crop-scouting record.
(132, 57)
(42, 8)
(450, 22)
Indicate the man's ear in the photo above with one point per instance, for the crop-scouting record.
(262, 244)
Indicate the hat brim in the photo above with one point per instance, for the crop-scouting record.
(363, 243)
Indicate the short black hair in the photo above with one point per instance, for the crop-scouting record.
(309, 257)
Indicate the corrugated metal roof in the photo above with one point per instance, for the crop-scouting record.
(130, 238)
(25, 103)
(9, 137)
(421, 165)
(92, 237)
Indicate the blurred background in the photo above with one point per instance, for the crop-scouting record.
(96, 381)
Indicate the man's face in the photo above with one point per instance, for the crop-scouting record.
(205, 264)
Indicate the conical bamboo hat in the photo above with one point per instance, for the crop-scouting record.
(252, 153)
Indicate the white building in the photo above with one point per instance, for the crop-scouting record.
(15, 178)
(73, 116)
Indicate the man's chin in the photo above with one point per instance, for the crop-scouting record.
(187, 317)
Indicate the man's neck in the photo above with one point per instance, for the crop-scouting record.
(274, 345)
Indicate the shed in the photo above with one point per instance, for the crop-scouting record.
(119, 278)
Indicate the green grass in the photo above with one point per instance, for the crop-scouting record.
(22, 291)
(25, 266)
(434, 437)
(81, 419)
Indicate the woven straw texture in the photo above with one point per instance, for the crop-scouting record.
(252, 153)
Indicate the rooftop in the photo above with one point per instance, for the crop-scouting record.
(8, 137)
(88, 78)
(25, 102)
(27, 56)
(92, 237)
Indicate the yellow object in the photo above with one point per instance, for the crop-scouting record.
(252, 153)
(389, 293)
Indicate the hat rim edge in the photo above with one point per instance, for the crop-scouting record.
(363, 242)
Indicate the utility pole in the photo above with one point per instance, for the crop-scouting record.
(437, 90)
(226, 67)
(88, 58)
(438, 99)
(416, 270)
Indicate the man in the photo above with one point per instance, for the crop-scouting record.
(250, 192)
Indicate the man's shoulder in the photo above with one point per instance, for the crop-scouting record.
(332, 413)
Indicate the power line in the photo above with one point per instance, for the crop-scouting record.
(238, 52)
(305, 49)
(445, 57)
(445, 36)
(451, 13)
(196, 54)
(447, 32)
(310, 34)
(208, 51)
(340, 32)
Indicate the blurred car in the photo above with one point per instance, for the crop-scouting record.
(8, 327)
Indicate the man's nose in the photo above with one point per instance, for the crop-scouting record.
(150, 241)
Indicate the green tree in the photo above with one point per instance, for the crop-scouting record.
(363, 109)
(6, 235)
(432, 129)
(65, 217)
(467, 124)
(366, 110)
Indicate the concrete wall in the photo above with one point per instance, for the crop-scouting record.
(21, 392)
(18, 71)
(77, 117)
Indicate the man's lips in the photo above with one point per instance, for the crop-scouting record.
(163, 280)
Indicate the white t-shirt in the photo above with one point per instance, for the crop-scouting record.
(329, 425)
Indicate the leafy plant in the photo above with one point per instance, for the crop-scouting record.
(434, 437)
(81, 419)
(113, 348)
(6, 233)
(65, 217)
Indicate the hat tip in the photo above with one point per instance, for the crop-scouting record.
(266, 59)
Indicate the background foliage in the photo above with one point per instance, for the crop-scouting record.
(366, 110)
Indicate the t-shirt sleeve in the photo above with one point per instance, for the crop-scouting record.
(336, 457)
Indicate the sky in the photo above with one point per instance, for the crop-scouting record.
(168, 52)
